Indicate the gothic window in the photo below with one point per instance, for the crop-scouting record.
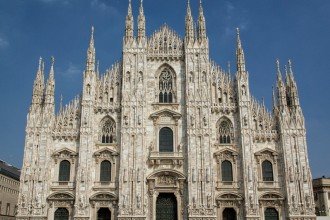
(88, 89)
(191, 77)
(204, 77)
(61, 214)
(267, 171)
(64, 172)
(166, 83)
(225, 132)
(105, 171)
(227, 171)
(271, 214)
(108, 130)
(166, 140)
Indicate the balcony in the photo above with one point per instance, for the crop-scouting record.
(63, 185)
(104, 186)
(166, 158)
(268, 185)
(231, 185)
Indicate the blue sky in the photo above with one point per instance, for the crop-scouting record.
(270, 29)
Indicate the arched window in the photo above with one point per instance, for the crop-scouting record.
(108, 131)
(166, 140)
(227, 171)
(271, 214)
(105, 171)
(267, 171)
(225, 132)
(166, 83)
(64, 172)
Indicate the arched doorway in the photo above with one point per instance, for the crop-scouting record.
(103, 214)
(271, 214)
(229, 214)
(166, 207)
(61, 214)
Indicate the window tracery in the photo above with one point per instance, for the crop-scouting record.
(166, 84)
(225, 131)
(108, 131)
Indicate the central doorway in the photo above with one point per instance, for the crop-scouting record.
(103, 214)
(229, 214)
(166, 207)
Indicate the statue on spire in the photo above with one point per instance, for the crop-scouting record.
(240, 55)
(141, 23)
(129, 30)
(90, 63)
(201, 23)
(189, 24)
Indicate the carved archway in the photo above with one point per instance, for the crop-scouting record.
(105, 200)
(166, 181)
(230, 200)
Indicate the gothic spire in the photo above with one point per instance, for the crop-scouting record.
(38, 87)
(201, 23)
(292, 86)
(50, 88)
(189, 23)
(129, 23)
(141, 23)
(280, 86)
(90, 63)
(240, 55)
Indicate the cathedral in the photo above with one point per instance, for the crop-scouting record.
(166, 134)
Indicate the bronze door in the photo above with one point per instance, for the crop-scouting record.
(104, 214)
(166, 207)
(229, 214)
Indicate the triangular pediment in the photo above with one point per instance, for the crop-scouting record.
(227, 150)
(106, 150)
(166, 112)
(266, 151)
(65, 151)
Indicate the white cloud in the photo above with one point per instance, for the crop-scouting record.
(104, 5)
(233, 21)
(53, 1)
(72, 71)
(3, 42)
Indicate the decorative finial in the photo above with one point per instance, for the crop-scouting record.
(40, 63)
(61, 102)
(52, 60)
(290, 66)
(229, 67)
(278, 65)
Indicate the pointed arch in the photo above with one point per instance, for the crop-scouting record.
(107, 130)
(166, 84)
(225, 131)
